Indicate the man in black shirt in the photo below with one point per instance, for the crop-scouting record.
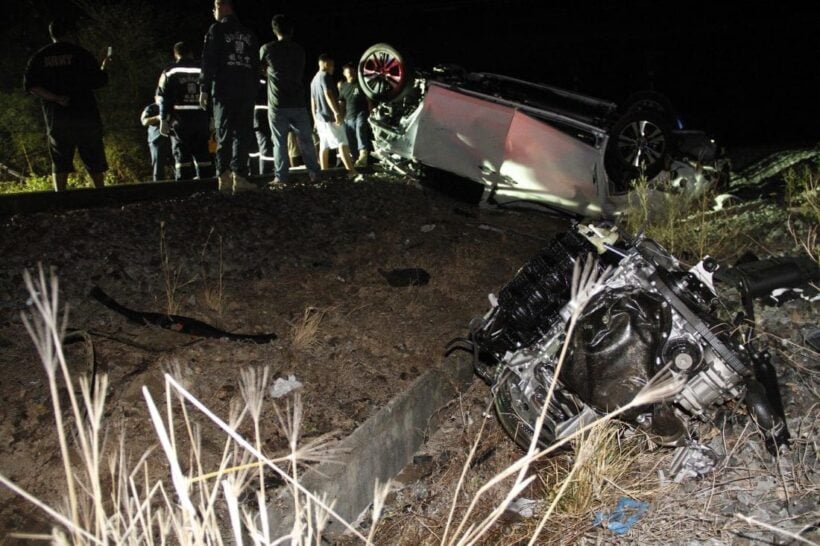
(230, 70)
(64, 76)
(284, 61)
(182, 118)
(356, 113)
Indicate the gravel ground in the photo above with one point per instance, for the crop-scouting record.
(311, 265)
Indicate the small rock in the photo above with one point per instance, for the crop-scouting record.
(225, 392)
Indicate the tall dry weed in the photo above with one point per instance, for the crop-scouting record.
(303, 332)
(684, 223)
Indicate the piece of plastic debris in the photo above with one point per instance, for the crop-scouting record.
(724, 201)
(523, 507)
(282, 386)
(427, 228)
(625, 515)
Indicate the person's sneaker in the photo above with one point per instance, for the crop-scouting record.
(352, 173)
(240, 184)
(275, 183)
(225, 182)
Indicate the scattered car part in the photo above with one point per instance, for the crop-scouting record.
(524, 141)
(692, 461)
(648, 315)
(176, 323)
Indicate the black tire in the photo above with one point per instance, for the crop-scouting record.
(384, 74)
(639, 144)
(654, 102)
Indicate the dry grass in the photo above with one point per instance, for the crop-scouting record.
(303, 332)
(685, 224)
(604, 471)
(171, 275)
(604, 466)
(213, 291)
(689, 227)
(803, 199)
(803, 192)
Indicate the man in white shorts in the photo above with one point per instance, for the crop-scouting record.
(328, 117)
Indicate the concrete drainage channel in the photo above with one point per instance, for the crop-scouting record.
(380, 448)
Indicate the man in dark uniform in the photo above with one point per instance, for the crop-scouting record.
(158, 144)
(264, 150)
(64, 76)
(182, 118)
(230, 71)
(284, 61)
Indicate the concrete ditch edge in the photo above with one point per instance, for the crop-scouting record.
(379, 448)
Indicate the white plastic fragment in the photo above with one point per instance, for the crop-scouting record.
(282, 386)
(523, 507)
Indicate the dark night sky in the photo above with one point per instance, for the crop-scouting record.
(744, 71)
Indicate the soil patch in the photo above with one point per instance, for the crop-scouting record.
(303, 262)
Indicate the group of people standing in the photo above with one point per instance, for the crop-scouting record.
(273, 108)
(224, 87)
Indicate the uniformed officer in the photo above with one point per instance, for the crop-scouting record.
(264, 150)
(64, 76)
(182, 118)
(230, 74)
(158, 144)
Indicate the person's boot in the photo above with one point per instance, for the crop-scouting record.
(361, 162)
(225, 182)
(240, 184)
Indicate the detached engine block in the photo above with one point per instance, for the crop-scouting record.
(645, 317)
